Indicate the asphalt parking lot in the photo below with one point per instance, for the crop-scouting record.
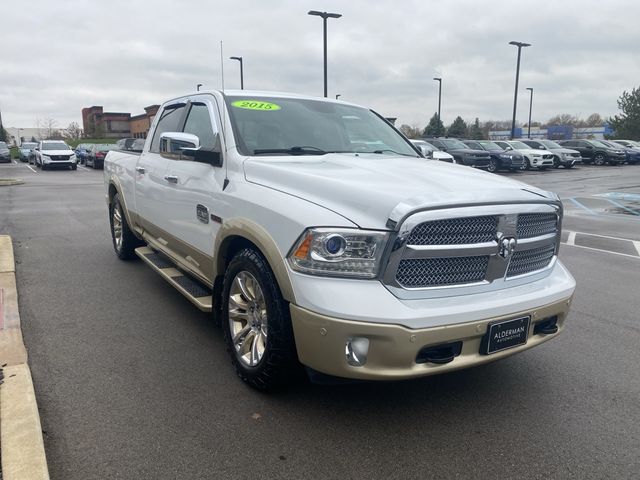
(133, 382)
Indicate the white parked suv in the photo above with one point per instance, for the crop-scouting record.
(54, 153)
(533, 158)
(319, 237)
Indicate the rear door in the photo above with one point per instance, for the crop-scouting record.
(150, 172)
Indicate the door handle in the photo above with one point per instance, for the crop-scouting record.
(140, 170)
(171, 178)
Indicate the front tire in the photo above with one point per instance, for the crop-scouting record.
(257, 324)
(493, 166)
(556, 162)
(124, 241)
(526, 165)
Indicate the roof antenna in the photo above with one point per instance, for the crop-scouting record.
(224, 121)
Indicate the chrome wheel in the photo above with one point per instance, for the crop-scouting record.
(116, 221)
(247, 319)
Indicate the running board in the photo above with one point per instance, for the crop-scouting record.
(197, 293)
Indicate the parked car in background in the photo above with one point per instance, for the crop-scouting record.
(81, 152)
(125, 143)
(532, 158)
(25, 149)
(500, 158)
(5, 153)
(431, 151)
(596, 152)
(629, 143)
(54, 153)
(632, 154)
(561, 156)
(461, 153)
(97, 152)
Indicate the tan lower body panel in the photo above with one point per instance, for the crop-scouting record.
(320, 342)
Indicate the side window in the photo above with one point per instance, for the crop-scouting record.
(199, 124)
(169, 122)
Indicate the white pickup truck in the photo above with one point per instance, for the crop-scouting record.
(320, 237)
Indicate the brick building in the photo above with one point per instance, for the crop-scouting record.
(98, 123)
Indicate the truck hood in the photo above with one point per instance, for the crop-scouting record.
(371, 189)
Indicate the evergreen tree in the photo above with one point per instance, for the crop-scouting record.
(475, 131)
(458, 128)
(435, 127)
(627, 123)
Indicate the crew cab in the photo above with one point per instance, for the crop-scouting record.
(319, 237)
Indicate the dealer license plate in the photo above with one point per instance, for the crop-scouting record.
(506, 334)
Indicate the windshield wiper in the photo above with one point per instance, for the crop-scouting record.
(291, 151)
(392, 151)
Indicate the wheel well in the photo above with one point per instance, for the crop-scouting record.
(112, 191)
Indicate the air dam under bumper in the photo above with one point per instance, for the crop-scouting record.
(321, 341)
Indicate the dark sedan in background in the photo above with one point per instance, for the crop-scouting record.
(96, 154)
(633, 154)
(500, 158)
(596, 152)
(461, 153)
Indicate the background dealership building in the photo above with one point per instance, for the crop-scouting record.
(555, 132)
(97, 122)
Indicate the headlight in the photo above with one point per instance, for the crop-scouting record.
(338, 252)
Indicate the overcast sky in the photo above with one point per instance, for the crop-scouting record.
(60, 56)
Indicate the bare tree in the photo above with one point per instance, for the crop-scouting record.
(410, 131)
(50, 126)
(73, 131)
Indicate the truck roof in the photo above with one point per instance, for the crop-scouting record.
(262, 93)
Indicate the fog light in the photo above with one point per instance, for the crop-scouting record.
(356, 350)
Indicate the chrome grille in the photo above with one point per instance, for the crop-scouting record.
(455, 231)
(536, 224)
(527, 261)
(434, 272)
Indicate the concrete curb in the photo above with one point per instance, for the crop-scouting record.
(7, 182)
(23, 456)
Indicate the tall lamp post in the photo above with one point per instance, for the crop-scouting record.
(241, 72)
(439, 80)
(530, 107)
(324, 16)
(515, 94)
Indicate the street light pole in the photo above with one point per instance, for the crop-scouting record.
(515, 94)
(530, 107)
(439, 80)
(241, 72)
(198, 87)
(324, 16)
(337, 96)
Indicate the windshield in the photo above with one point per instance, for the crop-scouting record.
(54, 146)
(293, 126)
(550, 144)
(520, 146)
(28, 145)
(452, 143)
(490, 145)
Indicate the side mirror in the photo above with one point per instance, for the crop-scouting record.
(590, 147)
(426, 152)
(178, 146)
(508, 148)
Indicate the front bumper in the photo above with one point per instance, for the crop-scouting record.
(393, 349)
(477, 162)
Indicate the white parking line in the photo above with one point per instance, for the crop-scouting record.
(637, 245)
(83, 168)
(29, 167)
(571, 240)
(603, 251)
(596, 235)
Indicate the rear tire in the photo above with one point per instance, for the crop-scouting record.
(256, 324)
(124, 241)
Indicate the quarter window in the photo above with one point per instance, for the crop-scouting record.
(169, 122)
